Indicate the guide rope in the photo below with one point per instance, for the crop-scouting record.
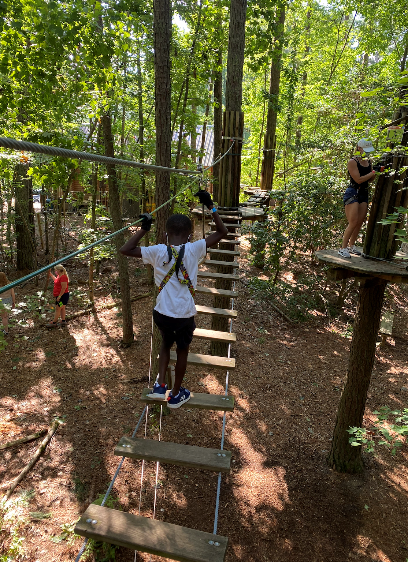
(109, 236)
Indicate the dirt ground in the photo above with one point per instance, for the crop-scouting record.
(279, 503)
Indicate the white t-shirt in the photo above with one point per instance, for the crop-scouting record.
(175, 299)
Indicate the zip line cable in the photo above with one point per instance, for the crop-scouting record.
(109, 236)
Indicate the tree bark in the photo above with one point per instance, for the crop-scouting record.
(24, 219)
(115, 211)
(269, 155)
(343, 457)
(217, 122)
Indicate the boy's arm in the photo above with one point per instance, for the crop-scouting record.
(221, 229)
(130, 248)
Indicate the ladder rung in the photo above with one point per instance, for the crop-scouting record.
(206, 360)
(226, 263)
(152, 536)
(197, 400)
(214, 291)
(191, 456)
(229, 242)
(226, 224)
(230, 235)
(227, 252)
(210, 275)
(229, 217)
(216, 311)
(214, 335)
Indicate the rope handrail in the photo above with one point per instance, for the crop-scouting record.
(26, 146)
(109, 236)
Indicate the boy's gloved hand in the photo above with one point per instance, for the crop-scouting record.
(59, 302)
(147, 221)
(205, 198)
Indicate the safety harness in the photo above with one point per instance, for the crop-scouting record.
(176, 267)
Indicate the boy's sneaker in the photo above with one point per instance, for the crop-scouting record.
(159, 391)
(344, 253)
(354, 250)
(182, 397)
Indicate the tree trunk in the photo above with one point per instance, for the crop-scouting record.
(343, 457)
(162, 40)
(217, 123)
(115, 212)
(269, 155)
(24, 219)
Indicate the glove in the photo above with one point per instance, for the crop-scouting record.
(146, 222)
(205, 198)
(59, 303)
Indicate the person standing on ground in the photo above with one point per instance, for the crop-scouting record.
(8, 301)
(61, 294)
(355, 198)
(175, 274)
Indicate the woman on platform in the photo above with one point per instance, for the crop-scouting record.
(8, 301)
(355, 198)
(61, 294)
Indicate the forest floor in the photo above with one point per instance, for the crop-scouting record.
(279, 503)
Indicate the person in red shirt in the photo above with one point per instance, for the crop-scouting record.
(61, 294)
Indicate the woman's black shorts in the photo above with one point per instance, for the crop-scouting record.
(179, 330)
(352, 195)
(64, 299)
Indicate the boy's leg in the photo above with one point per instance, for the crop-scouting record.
(180, 369)
(63, 312)
(164, 359)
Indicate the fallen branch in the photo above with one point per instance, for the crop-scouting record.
(38, 453)
(23, 440)
(281, 313)
(94, 310)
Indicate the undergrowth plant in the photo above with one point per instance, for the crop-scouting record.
(385, 432)
(13, 516)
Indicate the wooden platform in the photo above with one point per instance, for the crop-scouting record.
(201, 309)
(357, 266)
(189, 456)
(148, 535)
(206, 360)
(201, 401)
(214, 291)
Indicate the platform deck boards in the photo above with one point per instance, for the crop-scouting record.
(214, 291)
(218, 262)
(210, 275)
(201, 401)
(151, 536)
(214, 335)
(206, 360)
(166, 452)
(201, 309)
(227, 252)
(389, 271)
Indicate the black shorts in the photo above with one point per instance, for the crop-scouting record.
(353, 195)
(179, 330)
(64, 299)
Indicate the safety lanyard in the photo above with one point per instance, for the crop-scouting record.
(175, 268)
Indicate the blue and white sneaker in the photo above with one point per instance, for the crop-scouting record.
(159, 391)
(182, 397)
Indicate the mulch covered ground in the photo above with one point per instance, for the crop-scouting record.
(280, 502)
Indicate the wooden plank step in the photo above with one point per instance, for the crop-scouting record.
(228, 252)
(206, 360)
(216, 311)
(230, 235)
(151, 536)
(217, 262)
(214, 335)
(229, 242)
(229, 225)
(200, 401)
(165, 452)
(230, 217)
(214, 291)
(210, 275)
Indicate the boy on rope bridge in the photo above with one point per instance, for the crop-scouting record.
(175, 273)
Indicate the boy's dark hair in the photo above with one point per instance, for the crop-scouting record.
(178, 224)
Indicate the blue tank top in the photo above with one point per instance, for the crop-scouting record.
(363, 171)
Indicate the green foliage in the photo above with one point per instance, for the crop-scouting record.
(391, 434)
(13, 517)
